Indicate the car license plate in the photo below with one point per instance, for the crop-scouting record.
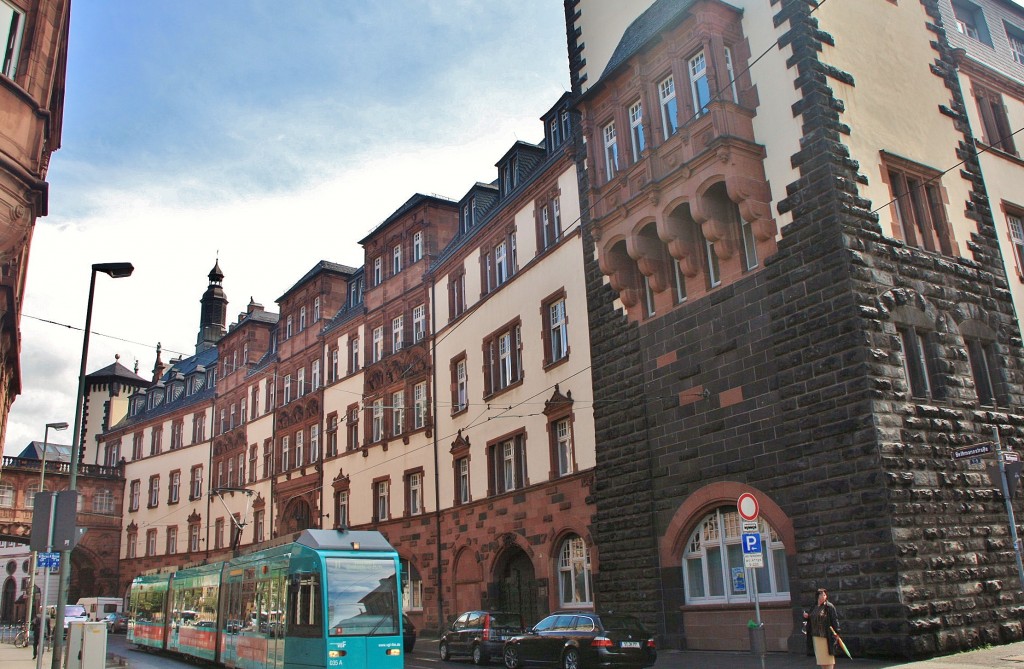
(630, 644)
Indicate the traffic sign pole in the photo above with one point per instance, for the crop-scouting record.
(1009, 505)
(749, 509)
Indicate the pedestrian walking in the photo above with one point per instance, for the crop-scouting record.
(37, 632)
(823, 627)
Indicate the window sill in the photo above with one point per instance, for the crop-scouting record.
(996, 151)
(557, 363)
(502, 391)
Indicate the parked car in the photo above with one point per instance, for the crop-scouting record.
(116, 622)
(479, 635)
(408, 634)
(74, 613)
(578, 640)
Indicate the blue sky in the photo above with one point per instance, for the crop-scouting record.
(272, 135)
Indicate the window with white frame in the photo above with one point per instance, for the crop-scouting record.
(412, 587)
(378, 343)
(315, 374)
(378, 420)
(353, 345)
(103, 502)
(258, 521)
(557, 331)
(415, 493)
(575, 585)
(649, 304)
(381, 505)
(300, 448)
(1016, 39)
(500, 263)
(462, 469)
(419, 404)
(302, 318)
(132, 538)
(300, 382)
(341, 508)
(563, 446)
(172, 540)
(396, 260)
(419, 323)
(335, 366)
(288, 327)
(503, 351)
(314, 443)
(378, 270)
(150, 542)
(135, 493)
(193, 537)
(417, 246)
(174, 488)
(714, 554)
(699, 84)
(397, 413)
(196, 483)
(154, 491)
(285, 454)
(732, 75)
(636, 129)
(287, 395)
(508, 464)
(611, 151)
(669, 106)
(396, 333)
(316, 308)
(1015, 223)
(460, 394)
(6, 495)
(714, 273)
(13, 20)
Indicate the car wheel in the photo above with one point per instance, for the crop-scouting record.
(512, 657)
(571, 659)
(478, 655)
(443, 651)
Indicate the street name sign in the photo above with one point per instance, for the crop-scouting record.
(972, 451)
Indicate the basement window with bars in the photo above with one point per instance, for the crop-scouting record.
(713, 571)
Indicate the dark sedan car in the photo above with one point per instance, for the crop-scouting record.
(408, 634)
(480, 635)
(578, 640)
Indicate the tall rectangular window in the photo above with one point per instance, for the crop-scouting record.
(636, 129)
(749, 242)
(288, 327)
(353, 428)
(557, 330)
(396, 260)
(994, 121)
(286, 454)
(172, 540)
(500, 263)
(341, 509)
(563, 446)
(258, 522)
(1016, 40)
(419, 323)
(378, 343)
(1016, 225)
(302, 318)
(611, 151)
(300, 448)
(315, 373)
(415, 493)
(287, 394)
(381, 504)
(983, 369)
(417, 246)
(174, 487)
(335, 366)
(13, 21)
(196, 483)
(135, 491)
(419, 402)
(503, 351)
(332, 435)
(699, 84)
(378, 270)
(378, 420)
(314, 443)
(731, 74)
(669, 106)
(462, 466)
(397, 413)
(151, 542)
(460, 394)
(353, 346)
(300, 382)
(919, 211)
(396, 333)
(316, 308)
(714, 273)
(917, 364)
(508, 464)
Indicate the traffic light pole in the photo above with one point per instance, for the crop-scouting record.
(1009, 506)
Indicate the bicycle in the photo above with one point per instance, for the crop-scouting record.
(21, 639)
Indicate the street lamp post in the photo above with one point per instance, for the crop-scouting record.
(115, 270)
(30, 611)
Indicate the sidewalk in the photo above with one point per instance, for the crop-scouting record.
(21, 658)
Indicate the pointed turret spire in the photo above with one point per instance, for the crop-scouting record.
(158, 367)
(213, 315)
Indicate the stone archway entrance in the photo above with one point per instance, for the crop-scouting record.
(515, 588)
(297, 516)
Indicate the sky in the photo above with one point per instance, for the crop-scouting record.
(265, 136)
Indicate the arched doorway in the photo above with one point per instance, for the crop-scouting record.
(515, 587)
(7, 601)
(297, 517)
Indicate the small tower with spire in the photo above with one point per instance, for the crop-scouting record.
(214, 312)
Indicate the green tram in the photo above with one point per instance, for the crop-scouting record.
(328, 598)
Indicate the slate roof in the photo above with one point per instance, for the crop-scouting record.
(659, 16)
(54, 452)
(322, 266)
(415, 200)
(117, 371)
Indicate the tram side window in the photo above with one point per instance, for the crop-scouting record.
(304, 606)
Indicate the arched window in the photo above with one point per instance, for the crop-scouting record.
(30, 495)
(713, 569)
(103, 502)
(574, 579)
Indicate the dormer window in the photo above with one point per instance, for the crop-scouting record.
(553, 139)
(510, 176)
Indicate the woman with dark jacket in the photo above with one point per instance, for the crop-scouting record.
(822, 628)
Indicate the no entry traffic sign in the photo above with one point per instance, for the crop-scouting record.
(747, 506)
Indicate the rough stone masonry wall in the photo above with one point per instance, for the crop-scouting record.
(912, 544)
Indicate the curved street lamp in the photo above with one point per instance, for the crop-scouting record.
(115, 270)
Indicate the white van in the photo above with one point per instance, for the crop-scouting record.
(97, 608)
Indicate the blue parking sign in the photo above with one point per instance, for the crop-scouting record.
(46, 560)
(752, 543)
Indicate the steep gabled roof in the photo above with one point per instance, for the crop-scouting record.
(319, 268)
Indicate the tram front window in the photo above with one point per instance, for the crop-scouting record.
(362, 597)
